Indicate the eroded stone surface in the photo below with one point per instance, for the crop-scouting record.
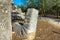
(5, 20)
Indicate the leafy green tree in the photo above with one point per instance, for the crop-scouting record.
(56, 7)
(44, 6)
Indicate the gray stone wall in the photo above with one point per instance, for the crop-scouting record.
(5, 20)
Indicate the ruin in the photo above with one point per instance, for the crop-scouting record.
(5, 20)
(28, 27)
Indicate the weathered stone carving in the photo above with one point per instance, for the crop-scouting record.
(28, 28)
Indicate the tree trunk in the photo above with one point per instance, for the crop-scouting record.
(5, 20)
(57, 13)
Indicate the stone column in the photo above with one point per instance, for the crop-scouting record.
(32, 16)
(5, 20)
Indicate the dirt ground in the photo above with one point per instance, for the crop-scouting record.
(45, 31)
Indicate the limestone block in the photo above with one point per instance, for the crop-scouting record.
(33, 19)
(5, 20)
(32, 24)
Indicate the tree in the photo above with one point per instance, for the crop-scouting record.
(5, 20)
(44, 6)
(56, 7)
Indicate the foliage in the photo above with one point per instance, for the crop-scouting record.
(44, 6)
